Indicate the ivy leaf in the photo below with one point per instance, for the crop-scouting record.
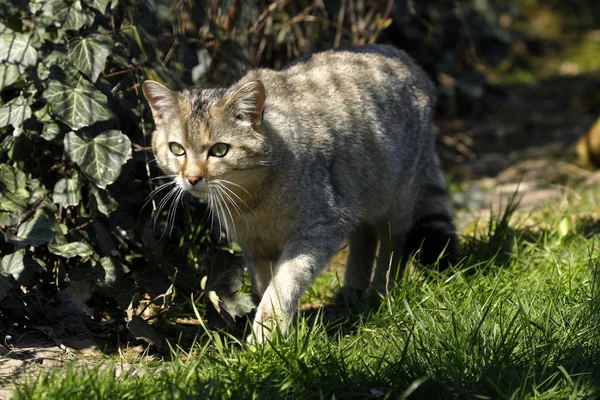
(5, 29)
(9, 74)
(34, 232)
(12, 265)
(102, 200)
(14, 113)
(67, 191)
(19, 266)
(72, 249)
(51, 131)
(5, 286)
(13, 180)
(113, 270)
(12, 202)
(73, 14)
(99, 5)
(17, 49)
(141, 330)
(101, 158)
(7, 219)
(89, 54)
(37, 191)
(77, 106)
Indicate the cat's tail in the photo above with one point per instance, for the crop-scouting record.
(433, 240)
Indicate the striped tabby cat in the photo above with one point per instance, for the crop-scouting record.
(337, 146)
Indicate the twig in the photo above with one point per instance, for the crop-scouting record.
(32, 210)
(366, 22)
(340, 25)
(355, 39)
(119, 72)
(231, 16)
(263, 42)
(381, 23)
(308, 18)
(170, 53)
(261, 21)
(137, 147)
(83, 225)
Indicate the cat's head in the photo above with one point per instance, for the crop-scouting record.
(206, 138)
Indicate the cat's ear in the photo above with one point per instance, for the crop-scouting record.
(161, 99)
(249, 101)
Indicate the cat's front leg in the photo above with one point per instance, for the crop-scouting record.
(301, 262)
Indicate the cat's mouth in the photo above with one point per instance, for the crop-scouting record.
(199, 194)
(199, 191)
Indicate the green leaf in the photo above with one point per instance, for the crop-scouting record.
(50, 62)
(113, 270)
(35, 232)
(72, 249)
(89, 54)
(12, 265)
(9, 74)
(51, 131)
(67, 191)
(12, 202)
(77, 106)
(13, 180)
(17, 49)
(5, 286)
(14, 113)
(20, 267)
(102, 200)
(15, 195)
(37, 191)
(564, 227)
(101, 158)
(141, 330)
(99, 5)
(73, 14)
(6, 219)
(42, 7)
(5, 29)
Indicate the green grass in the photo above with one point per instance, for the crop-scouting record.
(519, 318)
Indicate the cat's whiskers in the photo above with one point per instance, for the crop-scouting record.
(223, 183)
(161, 177)
(223, 202)
(174, 191)
(234, 184)
(224, 189)
(231, 200)
(210, 210)
(223, 216)
(213, 204)
(234, 204)
(179, 192)
(268, 163)
(155, 192)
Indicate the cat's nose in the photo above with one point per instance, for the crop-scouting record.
(193, 179)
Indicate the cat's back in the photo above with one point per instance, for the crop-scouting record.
(344, 75)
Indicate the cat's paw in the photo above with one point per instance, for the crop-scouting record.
(264, 327)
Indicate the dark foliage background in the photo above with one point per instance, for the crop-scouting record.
(80, 249)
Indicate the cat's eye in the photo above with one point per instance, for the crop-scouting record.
(176, 149)
(219, 150)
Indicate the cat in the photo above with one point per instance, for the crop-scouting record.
(338, 146)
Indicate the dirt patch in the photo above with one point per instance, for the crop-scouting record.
(536, 183)
(24, 355)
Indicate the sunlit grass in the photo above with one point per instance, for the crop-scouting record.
(518, 318)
